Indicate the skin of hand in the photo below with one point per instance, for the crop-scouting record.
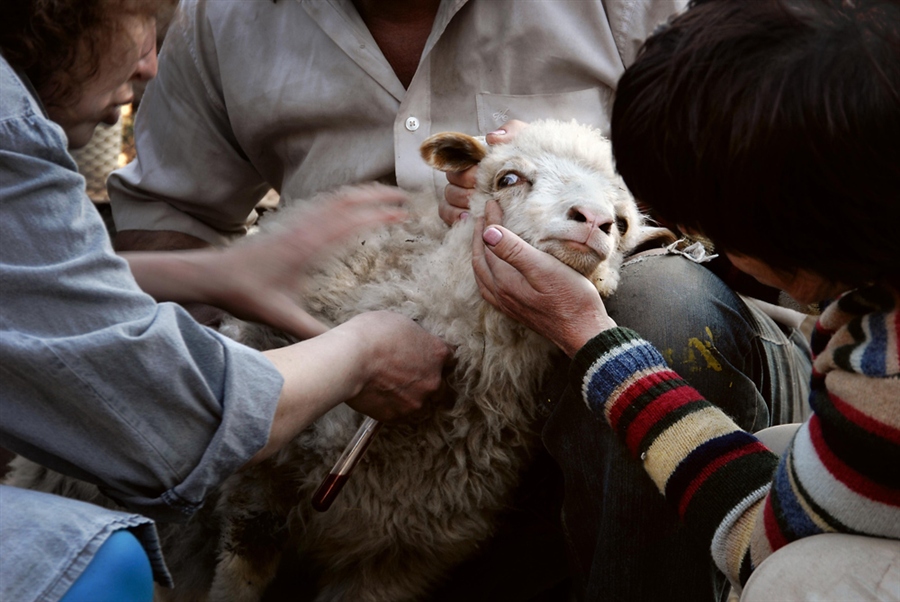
(457, 193)
(380, 363)
(259, 278)
(534, 288)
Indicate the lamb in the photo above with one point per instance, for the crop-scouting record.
(427, 493)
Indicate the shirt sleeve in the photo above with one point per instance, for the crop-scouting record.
(633, 22)
(191, 174)
(711, 471)
(98, 380)
(838, 475)
(47, 541)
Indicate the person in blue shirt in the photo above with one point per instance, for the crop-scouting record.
(99, 380)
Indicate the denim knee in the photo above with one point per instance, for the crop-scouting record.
(703, 329)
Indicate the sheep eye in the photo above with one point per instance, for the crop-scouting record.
(622, 225)
(509, 179)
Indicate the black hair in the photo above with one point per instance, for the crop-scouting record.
(773, 128)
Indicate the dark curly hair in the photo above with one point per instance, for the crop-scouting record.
(59, 44)
(772, 127)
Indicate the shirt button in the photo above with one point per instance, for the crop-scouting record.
(412, 124)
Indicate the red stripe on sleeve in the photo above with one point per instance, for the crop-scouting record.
(864, 421)
(655, 411)
(896, 333)
(773, 531)
(634, 391)
(711, 468)
(846, 475)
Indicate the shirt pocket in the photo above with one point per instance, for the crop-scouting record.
(590, 107)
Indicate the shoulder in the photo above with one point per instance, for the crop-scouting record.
(217, 11)
(632, 22)
(860, 333)
(24, 127)
(16, 102)
(211, 29)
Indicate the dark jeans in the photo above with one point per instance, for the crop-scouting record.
(626, 543)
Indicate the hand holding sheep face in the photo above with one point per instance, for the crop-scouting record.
(535, 288)
(529, 285)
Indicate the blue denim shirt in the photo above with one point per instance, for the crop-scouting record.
(46, 542)
(97, 380)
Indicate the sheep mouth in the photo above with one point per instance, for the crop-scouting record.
(579, 247)
(575, 254)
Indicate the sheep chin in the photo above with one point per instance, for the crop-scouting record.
(577, 256)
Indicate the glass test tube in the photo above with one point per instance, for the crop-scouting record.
(332, 484)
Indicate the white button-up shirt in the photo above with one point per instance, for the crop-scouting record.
(296, 95)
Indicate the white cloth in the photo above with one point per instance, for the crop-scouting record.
(296, 95)
(831, 566)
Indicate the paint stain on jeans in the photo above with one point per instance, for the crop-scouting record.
(697, 355)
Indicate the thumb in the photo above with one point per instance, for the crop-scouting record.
(508, 247)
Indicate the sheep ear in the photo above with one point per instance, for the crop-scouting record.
(452, 151)
(652, 237)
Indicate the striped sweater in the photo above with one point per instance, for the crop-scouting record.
(840, 474)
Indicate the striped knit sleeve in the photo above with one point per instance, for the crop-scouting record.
(841, 473)
(715, 474)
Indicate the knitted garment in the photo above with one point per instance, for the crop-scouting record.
(840, 474)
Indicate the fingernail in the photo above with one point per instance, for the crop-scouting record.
(463, 216)
(500, 132)
(492, 236)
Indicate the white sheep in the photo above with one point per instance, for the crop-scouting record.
(426, 494)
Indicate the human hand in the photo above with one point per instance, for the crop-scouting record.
(458, 192)
(457, 195)
(260, 277)
(380, 363)
(534, 288)
(403, 365)
(264, 272)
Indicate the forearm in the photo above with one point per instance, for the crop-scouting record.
(712, 472)
(166, 269)
(157, 409)
(326, 373)
(180, 276)
(382, 364)
(260, 277)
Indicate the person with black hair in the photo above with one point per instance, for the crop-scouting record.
(770, 127)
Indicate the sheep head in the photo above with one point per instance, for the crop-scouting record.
(558, 189)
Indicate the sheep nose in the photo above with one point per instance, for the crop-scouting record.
(597, 219)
